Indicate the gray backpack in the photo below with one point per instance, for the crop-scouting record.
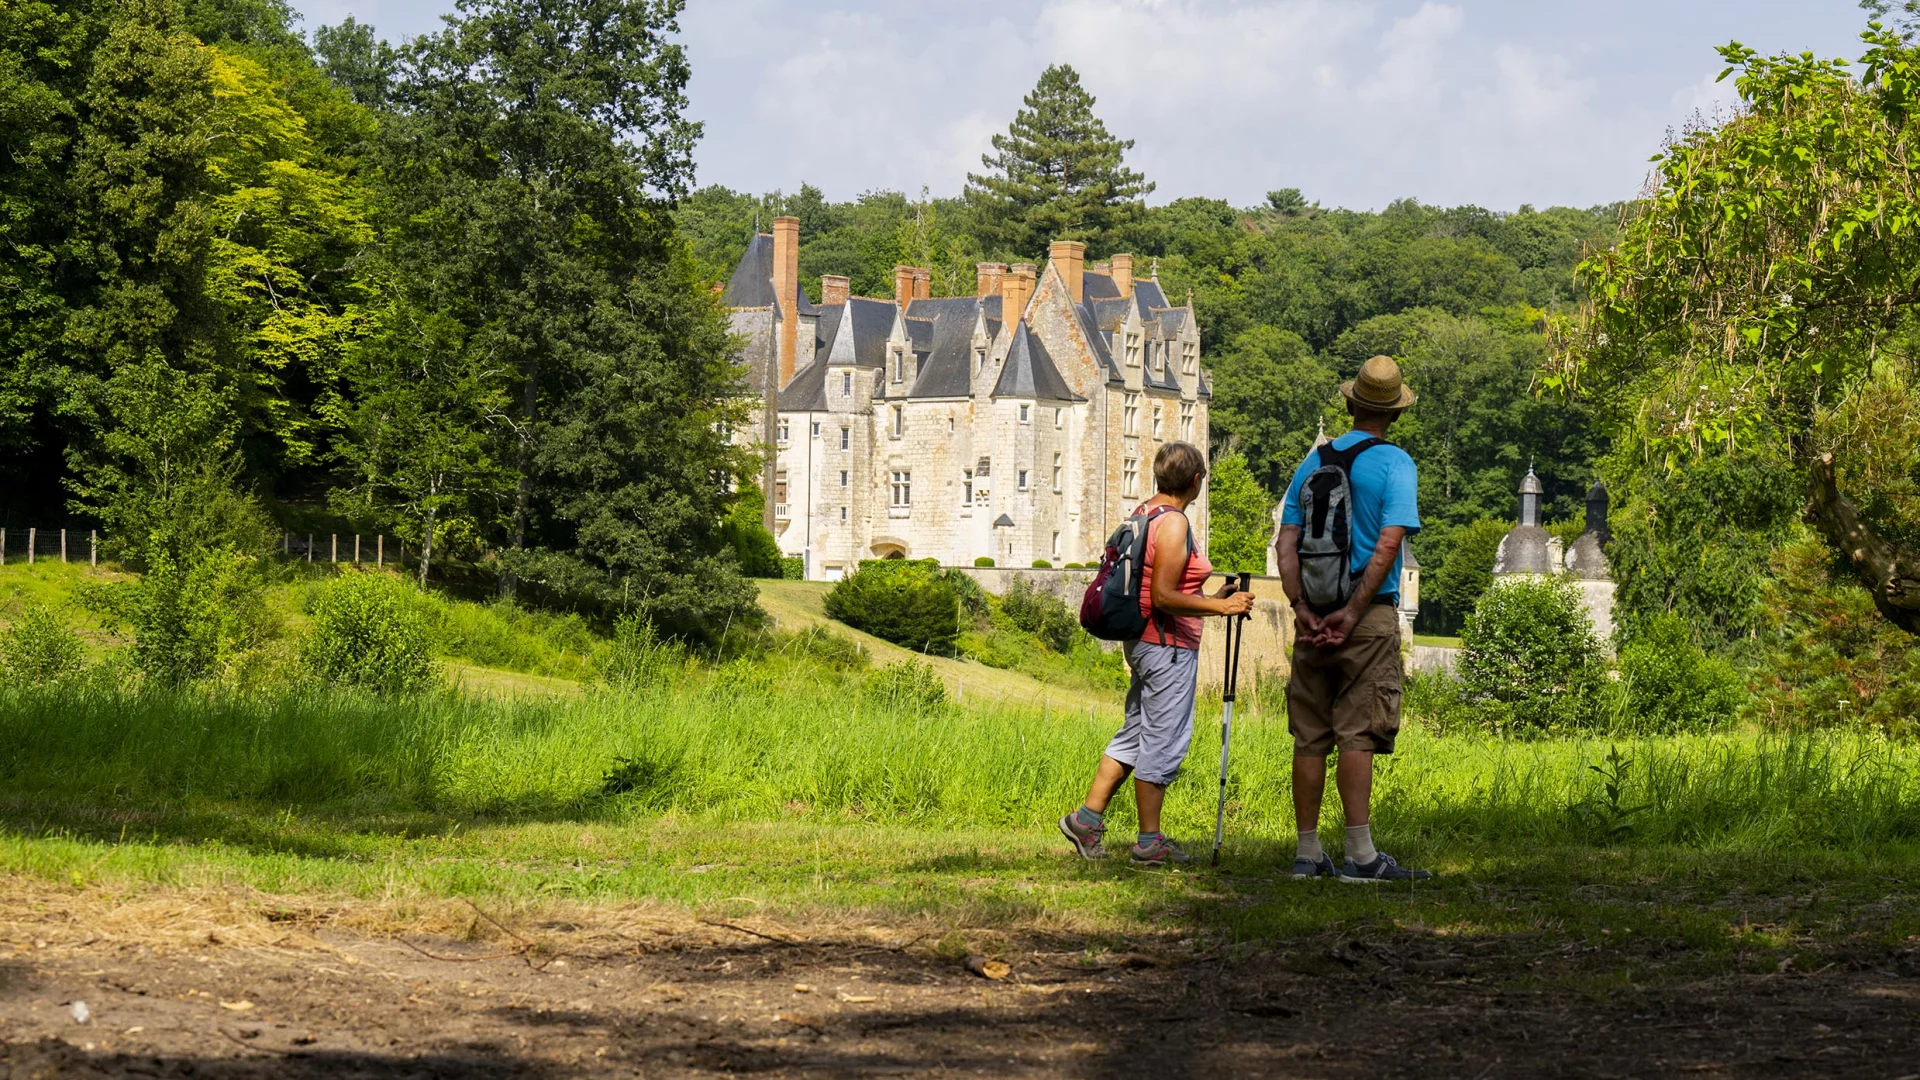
(1326, 535)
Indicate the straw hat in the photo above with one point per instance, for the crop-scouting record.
(1379, 386)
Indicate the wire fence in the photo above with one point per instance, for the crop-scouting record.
(69, 545)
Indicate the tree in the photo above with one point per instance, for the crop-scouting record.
(1240, 516)
(1057, 174)
(1775, 269)
(1269, 393)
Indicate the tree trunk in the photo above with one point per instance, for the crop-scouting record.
(1890, 573)
(523, 492)
(426, 545)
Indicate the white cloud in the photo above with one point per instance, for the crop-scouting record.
(1412, 51)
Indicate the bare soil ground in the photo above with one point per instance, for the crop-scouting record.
(212, 984)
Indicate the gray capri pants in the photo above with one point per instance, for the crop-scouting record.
(1159, 724)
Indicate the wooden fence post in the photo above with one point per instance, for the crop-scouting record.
(309, 549)
(334, 542)
(33, 537)
(286, 543)
(356, 549)
(63, 545)
(93, 548)
(3, 547)
(380, 552)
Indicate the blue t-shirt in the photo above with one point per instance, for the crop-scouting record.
(1386, 491)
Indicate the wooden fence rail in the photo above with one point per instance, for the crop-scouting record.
(64, 545)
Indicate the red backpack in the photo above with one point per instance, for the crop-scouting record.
(1110, 609)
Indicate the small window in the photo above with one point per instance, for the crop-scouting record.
(1056, 472)
(846, 438)
(816, 429)
(1026, 412)
(899, 366)
(1189, 357)
(1130, 477)
(1133, 350)
(1056, 545)
(899, 421)
(1186, 421)
(902, 488)
(785, 431)
(780, 487)
(843, 513)
(846, 384)
(1130, 414)
(1156, 421)
(966, 487)
(979, 361)
(949, 425)
(1023, 479)
(843, 478)
(1059, 419)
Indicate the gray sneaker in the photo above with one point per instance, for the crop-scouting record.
(1307, 868)
(1382, 868)
(1161, 852)
(1086, 840)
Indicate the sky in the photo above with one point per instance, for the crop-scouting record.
(1355, 102)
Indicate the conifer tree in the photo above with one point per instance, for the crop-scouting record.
(1057, 174)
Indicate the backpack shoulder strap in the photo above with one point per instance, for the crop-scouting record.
(1343, 459)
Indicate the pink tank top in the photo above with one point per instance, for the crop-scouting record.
(1180, 631)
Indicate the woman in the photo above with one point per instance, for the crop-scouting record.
(1165, 663)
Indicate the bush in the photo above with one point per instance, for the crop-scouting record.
(793, 569)
(822, 645)
(1042, 564)
(191, 619)
(912, 604)
(1041, 614)
(39, 649)
(909, 686)
(637, 656)
(369, 633)
(984, 560)
(1671, 684)
(1528, 658)
(746, 533)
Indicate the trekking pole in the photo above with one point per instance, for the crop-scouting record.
(1226, 711)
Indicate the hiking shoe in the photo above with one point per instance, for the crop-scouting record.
(1086, 841)
(1162, 852)
(1382, 868)
(1307, 868)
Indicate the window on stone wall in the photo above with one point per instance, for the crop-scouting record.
(979, 361)
(846, 384)
(846, 438)
(1056, 545)
(902, 488)
(966, 487)
(780, 494)
(1133, 349)
(1023, 479)
(843, 478)
(899, 366)
(949, 425)
(816, 429)
(843, 513)
(1026, 412)
(1186, 421)
(1130, 414)
(784, 431)
(899, 421)
(1130, 477)
(1156, 421)
(1189, 357)
(1057, 470)
(1059, 419)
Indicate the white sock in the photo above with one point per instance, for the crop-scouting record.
(1310, 846)
(1360, 844)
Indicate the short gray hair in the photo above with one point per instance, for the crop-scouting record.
(1178, 467)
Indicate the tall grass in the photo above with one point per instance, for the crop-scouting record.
(740, 746)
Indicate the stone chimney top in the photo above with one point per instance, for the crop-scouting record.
(903, 285)
(988, 276)
(1070, 258)
(922, 283)
(834, 289)
(786, 289)
(1015, 289)
(1123, 274)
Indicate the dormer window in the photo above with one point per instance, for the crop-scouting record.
(1130, 414)
(1189, 357)
(899, 366)
(1133, 348)
(1186, 420)
(979, 360)
(899, 421)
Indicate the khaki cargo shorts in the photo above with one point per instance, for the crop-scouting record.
(1348, 697)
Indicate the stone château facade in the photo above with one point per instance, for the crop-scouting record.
(1017, 424)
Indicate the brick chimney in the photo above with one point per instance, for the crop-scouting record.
(1070, 257)
(989, 277)
(922, 283)
(1123, 274)
(786, 288)
(1015, 289)
(903, 285)
(834, 289)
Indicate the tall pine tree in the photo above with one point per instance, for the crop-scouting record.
(1057, 174)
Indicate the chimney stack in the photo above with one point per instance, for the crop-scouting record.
(903, 285)
(786, 289)
(922, 283)
(834, 289)
(1070, 258)
(1015, 289)
(989, 277)
(1123, 274)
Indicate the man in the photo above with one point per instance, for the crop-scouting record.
(1344, 693)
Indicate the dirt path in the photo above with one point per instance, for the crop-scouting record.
(195, 985)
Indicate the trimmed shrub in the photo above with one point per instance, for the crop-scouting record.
(1042, 564)
(1529, 660)
(369, 633)
(912, 604)
(39, 649)
(984, 560)
(793, 569)
(1671, 684)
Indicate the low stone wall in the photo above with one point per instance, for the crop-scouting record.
(1264, 648)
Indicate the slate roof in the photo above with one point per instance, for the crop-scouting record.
(872, 323)
(1205, 389)
(808, 390)
(751, 285)
(1029, 372)
(1161, 379)
(1148, 296)
(757, 327)
(1098, 287)
(947, 370)
(920, 333)
(1172, 321)
(1108, 314)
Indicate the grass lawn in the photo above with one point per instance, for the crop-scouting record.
(1440, 640)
